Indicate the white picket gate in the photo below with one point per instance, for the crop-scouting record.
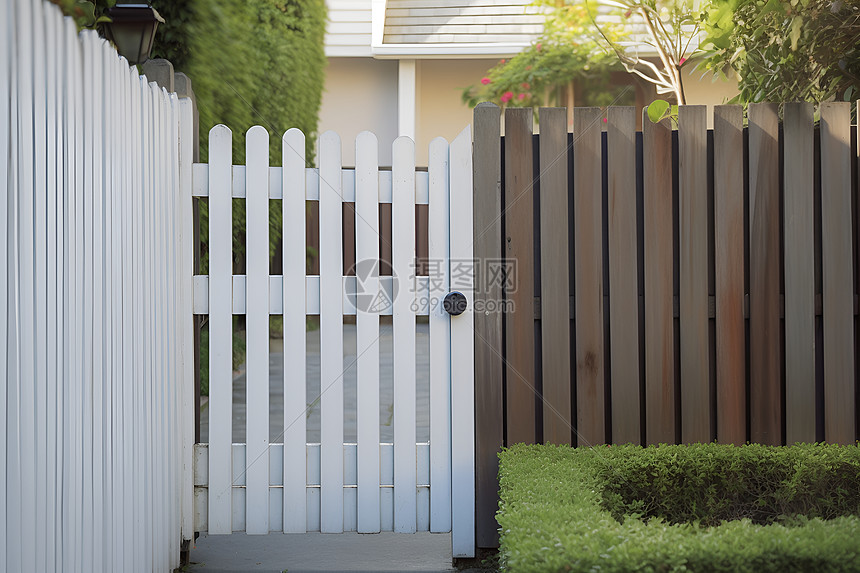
(332, 486)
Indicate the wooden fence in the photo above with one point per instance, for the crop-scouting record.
(92, 348)
(671, 285)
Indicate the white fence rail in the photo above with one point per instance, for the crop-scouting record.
(93, 345)
(333, 486)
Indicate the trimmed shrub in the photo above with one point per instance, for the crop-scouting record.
(704, 507)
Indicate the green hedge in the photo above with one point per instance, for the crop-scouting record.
(627, 508)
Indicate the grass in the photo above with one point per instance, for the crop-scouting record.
(680, 508)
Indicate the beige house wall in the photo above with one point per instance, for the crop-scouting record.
(361, 94)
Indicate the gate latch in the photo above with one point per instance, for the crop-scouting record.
(454, 303)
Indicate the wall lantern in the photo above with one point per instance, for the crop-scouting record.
(132, 30)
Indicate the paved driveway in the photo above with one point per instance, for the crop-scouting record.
(386, 392)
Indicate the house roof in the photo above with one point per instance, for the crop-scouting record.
(431, 28)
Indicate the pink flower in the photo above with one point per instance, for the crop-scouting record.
(506, 97)
(605, 120)
(485, 81)
(525, 85)
(538, 46)
(521, 97)
(502, 62)
(681, 61)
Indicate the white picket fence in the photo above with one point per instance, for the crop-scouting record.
(332, 486)
(94, 433)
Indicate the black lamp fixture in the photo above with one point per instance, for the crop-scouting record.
(132, 29)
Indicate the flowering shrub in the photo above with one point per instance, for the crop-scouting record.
(568, 50)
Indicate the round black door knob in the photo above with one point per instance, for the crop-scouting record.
(455, 303)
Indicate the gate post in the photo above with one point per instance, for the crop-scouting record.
(487, 234)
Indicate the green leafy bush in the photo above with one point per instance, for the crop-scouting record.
(626, 508)
(797, 50)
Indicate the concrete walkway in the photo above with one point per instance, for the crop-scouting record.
(353, 552)
(386, 388)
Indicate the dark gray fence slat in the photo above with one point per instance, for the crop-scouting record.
(623, 275)
(555, 288)
(693, 213)
(838, 273)
(519, 228)
(588, 249)
(765, 391)
(659, 327)
(489, 412)
(799, 260)
(729, 271)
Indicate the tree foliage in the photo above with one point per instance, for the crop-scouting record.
(667, 28)
(786, 50)
(568, 50)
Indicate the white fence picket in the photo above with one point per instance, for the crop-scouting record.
(257, 329)
(13, 456)
(295, 518)
(331, 334)
(51, 307)
(367, 329)
(440, 339)
(462, 354)
(25, 263)
(6, 19)
(40, 347)
(220, 331)
(186, 262)
(76, 281)
(404, 269)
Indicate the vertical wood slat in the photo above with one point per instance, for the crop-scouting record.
(693, 212)
(462, 355)
(438, 246)
(519, 228)
(765, 391)
(623, 275)
(220, 508)
(331, 334)
(588, 253)
(489, 410)
(403, 265)
(295, 341)
(799, 274)
(257, 330)
(729, 271)
(838, 274)
(367, 329)
(659, 328)
(555, 288)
